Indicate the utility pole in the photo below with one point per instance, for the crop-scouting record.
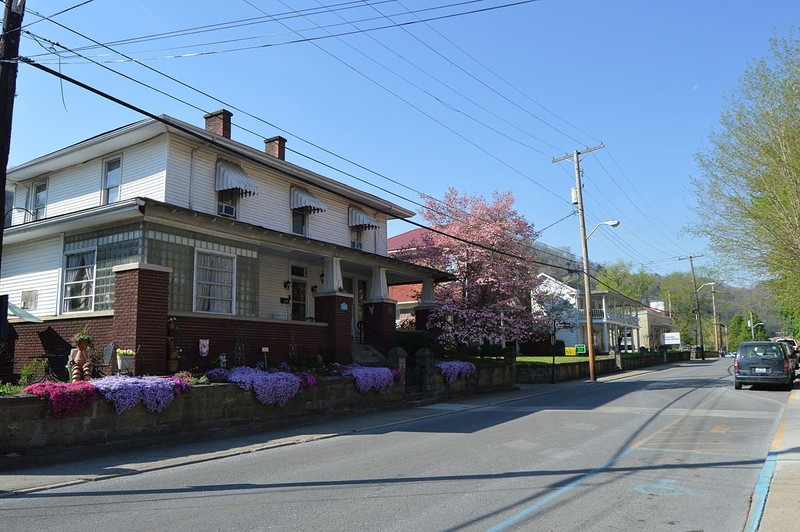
(587, 294)
(696, 305)
(9, 53)
(716, 318)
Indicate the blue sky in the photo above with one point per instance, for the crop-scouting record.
(480, 101)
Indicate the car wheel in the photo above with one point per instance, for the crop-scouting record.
(737, 385)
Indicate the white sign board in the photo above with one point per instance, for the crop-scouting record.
(671, 338)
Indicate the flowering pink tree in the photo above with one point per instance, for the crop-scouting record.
(490, 300)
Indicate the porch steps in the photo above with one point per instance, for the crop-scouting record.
(366, 355)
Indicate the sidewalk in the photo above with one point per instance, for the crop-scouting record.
(778, 492)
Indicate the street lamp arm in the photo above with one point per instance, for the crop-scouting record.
(610, 223)
(703, 285)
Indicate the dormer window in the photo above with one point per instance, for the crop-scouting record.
(112, 178)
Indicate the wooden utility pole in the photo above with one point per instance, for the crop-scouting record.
(696, 305)
(9, 53)
(587, 293)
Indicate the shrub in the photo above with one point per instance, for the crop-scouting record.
(10, 389)
(413, 341)
(32, 371)
(217, 375)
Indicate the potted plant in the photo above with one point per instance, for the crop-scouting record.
(82, 339)
(125, 359)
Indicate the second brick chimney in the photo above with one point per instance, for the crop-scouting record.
(219, 123)
(276, 146)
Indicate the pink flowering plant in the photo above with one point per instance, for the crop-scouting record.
(369, 379)
(454, 369)
(64, 399)
(274, 388)
(126, 392)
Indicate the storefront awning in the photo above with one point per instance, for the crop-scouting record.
(305, 200)
(359, 218)
(232, 176)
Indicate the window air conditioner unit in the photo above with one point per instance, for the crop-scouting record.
(356, 244)
(223, 209)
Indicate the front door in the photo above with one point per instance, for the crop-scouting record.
(357, 287)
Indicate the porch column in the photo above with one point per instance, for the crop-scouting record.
(334, 307)
(379, 313)
(426, 306)
(141, 304)
(606, 347)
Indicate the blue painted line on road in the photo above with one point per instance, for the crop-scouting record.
(761, 490)
(527, 512)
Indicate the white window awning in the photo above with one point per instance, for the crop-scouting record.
(306, 201)
(232, 176)
(17, 312)
(359, 218)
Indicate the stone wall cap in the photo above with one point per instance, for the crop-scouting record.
(141, 266)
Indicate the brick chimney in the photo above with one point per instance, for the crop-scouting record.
(219, 123)
(276, 146)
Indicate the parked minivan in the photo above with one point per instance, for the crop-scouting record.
(764, 363)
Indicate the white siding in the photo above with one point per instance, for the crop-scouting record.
(33, 266)
(80, 187)
(272, 272)
(143, 170)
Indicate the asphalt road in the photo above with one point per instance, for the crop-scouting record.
(675, 448)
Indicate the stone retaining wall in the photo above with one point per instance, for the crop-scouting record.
(28, 436)
(546, 373)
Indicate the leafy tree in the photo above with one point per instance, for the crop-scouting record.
(490, 300)
(738, 332)
(748, 195)
(621, 277)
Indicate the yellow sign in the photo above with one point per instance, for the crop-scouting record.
(569, 351)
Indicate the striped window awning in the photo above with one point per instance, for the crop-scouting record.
(231, 176)
(359, 218)
(306, 201)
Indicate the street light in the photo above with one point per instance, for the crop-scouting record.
(610, 223)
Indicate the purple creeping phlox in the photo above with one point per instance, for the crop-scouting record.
(126, 392)
(367, 379)
(270, 388)
(64, 399)
(217, 375)
(307, 380)
(453, 369)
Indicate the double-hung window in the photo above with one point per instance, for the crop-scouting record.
(214, 282)
(112, 177)
(79, 275)
(38, 200)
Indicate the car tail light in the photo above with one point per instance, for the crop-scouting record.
(787, 366)
(736, 364)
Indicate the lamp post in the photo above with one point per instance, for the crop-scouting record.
(753, 326)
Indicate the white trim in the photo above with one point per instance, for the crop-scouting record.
(104, 177)
(141, 266)
(63, 298)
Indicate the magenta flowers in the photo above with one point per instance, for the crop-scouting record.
(64, 399)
